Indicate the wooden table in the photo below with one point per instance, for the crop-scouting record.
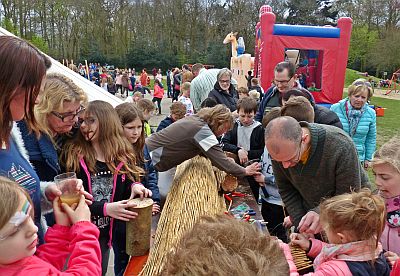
(249, 199)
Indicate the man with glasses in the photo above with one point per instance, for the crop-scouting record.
(311, 162)
(284, 80)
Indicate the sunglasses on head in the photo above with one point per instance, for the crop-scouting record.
(366, 83)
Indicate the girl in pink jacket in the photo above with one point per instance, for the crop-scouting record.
(353, 224)
(386, 167)
(73, 237)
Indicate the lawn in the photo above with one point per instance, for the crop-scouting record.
(352, 75)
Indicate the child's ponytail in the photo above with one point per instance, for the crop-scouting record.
(361, 214)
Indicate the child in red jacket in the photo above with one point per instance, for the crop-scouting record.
(158, 94)
(73, 236)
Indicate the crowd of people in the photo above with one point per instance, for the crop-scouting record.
(306, 166)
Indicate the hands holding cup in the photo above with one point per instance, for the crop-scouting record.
(66, 215)
(68, 187)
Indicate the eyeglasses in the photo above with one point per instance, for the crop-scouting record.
(298, 155)
(282, 82)
(225, 81)
(87, 121)
(69, 116)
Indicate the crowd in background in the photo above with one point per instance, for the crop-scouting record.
(305, 164)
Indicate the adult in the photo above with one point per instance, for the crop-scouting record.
(358, 119)
(169, 84)
(57, 113)
(311, 162)
(154, 72)
(125, 84)
(284, 80)
(322, 115)
(177, 77)
(196, 135)
(22, 77)
(224, 92)
(202, 84)
(61, 102)
(143, 78)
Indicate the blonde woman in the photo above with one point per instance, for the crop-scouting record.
(61, 102)
(358, 119)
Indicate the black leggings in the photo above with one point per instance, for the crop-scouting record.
(158, 100)
(175, 95)
(274, 215)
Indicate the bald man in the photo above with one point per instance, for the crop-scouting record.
(311, 162)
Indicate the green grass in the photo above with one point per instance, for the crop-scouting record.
(388, 125)
(352, 75)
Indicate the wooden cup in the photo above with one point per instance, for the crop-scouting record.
(138, 230)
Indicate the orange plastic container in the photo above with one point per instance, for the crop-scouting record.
(380, 111)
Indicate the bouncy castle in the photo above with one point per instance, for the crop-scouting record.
(320, 54)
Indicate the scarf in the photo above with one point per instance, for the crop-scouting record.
(393, 212)
(359, 251)
(354, 117)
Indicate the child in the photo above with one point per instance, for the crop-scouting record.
(185, 98)
(132, 124)
(178, 111)
(73, 237)
(255, 85)
(255, 95)
(386, 167)
(147, 108)
(246, 138)
(225, 246)
(158, 95)
(272, 208)
(111, 87)
(104, 160)
(134, 98)
(243, 92)
(353, 223)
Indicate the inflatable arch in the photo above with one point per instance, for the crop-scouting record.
(324, 50)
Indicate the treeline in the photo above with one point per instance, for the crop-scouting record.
(166, 33)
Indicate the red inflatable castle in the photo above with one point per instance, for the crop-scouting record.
(322, 54)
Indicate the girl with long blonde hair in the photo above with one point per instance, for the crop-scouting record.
(104, 159)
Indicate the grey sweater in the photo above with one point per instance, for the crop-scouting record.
(332, 169)
(185, 139)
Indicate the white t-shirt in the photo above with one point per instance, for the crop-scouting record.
(269, 192)
(188, 103)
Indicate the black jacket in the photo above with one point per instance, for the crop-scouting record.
(256, 141)
(325, 116)
(222, 97)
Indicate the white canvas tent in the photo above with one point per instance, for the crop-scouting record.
(93, 91)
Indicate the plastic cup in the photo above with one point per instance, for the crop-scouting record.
(66, 183)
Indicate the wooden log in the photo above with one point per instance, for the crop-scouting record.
(138, 230)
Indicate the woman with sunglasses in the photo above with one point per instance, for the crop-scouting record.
(224, 92)
(358, 119)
